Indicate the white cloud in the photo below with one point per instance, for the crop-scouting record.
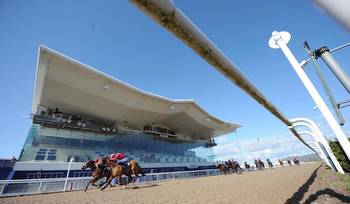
(274, 147)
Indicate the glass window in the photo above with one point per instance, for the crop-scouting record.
(52, 154)
(41, 154)
(84, 146)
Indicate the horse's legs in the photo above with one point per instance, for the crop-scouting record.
(111, 183)
(137, 171)
(119, 180)
(134, 179)
(108, 182)
(99, 186)
(93, 181)
(95, 184)
(130, 178)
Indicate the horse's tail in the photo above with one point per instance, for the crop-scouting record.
(141, 170)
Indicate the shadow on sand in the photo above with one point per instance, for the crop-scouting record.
(298, 196)
(142, 186)
(331, 193)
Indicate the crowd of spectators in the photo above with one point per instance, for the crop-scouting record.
(58, 118)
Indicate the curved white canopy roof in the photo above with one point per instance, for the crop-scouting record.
(75, 87)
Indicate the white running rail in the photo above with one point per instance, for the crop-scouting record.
(38, 186)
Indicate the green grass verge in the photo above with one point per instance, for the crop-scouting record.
(344, 182)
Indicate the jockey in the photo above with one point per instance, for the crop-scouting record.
(98, 162)
(119, 158)
(113, 157)
(122, 160)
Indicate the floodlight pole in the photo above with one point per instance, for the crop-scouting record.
(280, 40)
(313, 56)
(338, 71)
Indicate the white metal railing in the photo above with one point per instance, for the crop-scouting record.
(37, 186)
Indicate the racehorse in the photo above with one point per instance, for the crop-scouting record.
(98, 171)
(289, 162)
(281, 162)
(223, 168)
(269, 163)
(257, 165)
(248, 167)
(235, 166)
(296, 162)
(119, 170)
(261, 165)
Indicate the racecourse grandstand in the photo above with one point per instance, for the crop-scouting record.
(81, 113)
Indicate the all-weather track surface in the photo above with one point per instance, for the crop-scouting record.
(280, 185)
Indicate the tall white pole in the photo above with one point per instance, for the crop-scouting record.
(68, 170)
(280, 40)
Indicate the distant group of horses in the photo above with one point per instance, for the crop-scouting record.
(110, 169)
(231, 166)
(289, 162)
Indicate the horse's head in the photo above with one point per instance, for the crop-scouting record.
(105, 161)
(89, 164)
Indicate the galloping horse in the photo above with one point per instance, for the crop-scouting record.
(223, 168)
(118, 171)
(269, 163)
(248, 167)
(98, 172)
(261, 164)
(296, 162)
(235, 167)
(281, 162)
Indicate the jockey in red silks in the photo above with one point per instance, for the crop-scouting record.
(113, 157)
(98, 161)
(119, 158)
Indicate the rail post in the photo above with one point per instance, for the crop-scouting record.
(68, 170)
(40, 186)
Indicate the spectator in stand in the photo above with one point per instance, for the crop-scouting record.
(57, 111)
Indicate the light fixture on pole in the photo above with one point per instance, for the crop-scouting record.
(333, 65)
(312, 59)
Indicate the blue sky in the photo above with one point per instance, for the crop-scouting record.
(118, 39)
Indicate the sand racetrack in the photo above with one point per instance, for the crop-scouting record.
(269, 186)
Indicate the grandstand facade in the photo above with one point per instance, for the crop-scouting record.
(81, 113)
